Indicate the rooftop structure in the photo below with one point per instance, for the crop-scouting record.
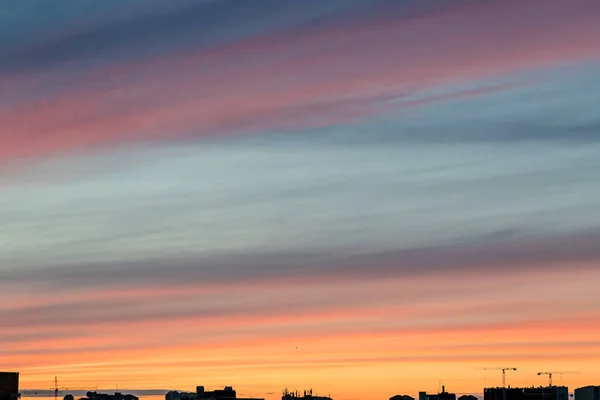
(308, 395)
(443, 395)
(106, 396)
(226, 393)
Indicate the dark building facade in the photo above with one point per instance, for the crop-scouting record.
(539, 393)
(546, 393)
(9, 385)
(226, 393)
(587, 393)
(499, 393)
(440, 396)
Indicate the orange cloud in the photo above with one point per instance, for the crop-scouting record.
(383, 334)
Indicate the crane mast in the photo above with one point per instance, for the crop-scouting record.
(503, 372)
(550, 373)
(504, 375)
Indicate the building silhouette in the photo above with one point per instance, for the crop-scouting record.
(587, 393)
(546, 393)
(533, 393)
(467, 397)
(439, 396)
(226, 393)
(308, 395)
(500, 393)
(401, 397)
(106, 396)
(9, 385)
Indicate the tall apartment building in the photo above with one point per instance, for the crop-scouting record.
(533, 393)
(9, 385)
(587, 393)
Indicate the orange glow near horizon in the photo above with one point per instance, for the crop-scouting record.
(366, 200)
(388, 347)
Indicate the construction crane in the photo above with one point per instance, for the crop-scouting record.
(56, 389)
(556, 373)
(503, 369)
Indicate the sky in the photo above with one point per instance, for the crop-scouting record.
(363, 197)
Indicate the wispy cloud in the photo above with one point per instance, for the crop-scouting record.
(193, 92)
(333, 193)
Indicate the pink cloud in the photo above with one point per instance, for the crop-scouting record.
(330, 74)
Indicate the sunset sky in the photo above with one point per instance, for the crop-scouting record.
(363, 197)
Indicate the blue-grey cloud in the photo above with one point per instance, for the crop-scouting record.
(412, 181)
(555, 105)
(485, 258)
(135, 29)
(36, 35)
